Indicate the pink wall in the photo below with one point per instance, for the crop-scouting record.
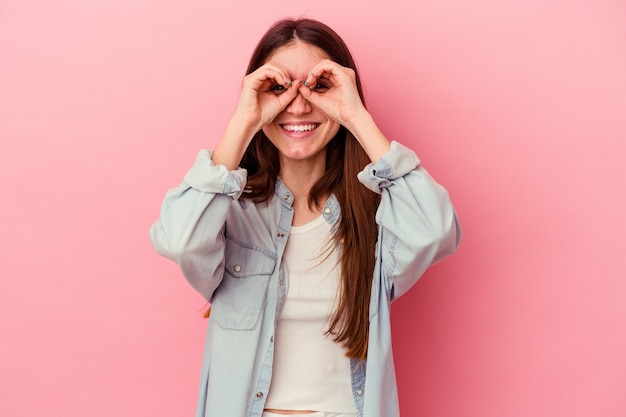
(518, 108)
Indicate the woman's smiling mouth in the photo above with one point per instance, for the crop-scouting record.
(299, 127)
(299, 130)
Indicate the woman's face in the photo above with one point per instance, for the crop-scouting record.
(301, 131)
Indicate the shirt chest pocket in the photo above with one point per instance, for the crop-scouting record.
(238, 301)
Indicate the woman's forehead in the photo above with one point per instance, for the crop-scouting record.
(297, 58)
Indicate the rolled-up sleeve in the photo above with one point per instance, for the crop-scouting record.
(418, 225)
(189, 230)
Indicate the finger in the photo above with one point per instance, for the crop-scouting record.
(326, 69)
(287, 97)
(274, 104)
(279, 74)
(317, 100)
(268, 73)
(275, 71)
(308, 95)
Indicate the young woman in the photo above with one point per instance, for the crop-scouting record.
(300, 228)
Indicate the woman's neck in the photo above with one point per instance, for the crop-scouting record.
(299, 177)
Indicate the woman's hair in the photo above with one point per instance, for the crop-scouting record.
(356, 231)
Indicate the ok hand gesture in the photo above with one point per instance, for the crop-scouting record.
(266, 92)
(332, 88)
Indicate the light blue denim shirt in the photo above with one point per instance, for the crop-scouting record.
(231, 251)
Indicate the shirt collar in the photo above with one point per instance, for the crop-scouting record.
(331, 210)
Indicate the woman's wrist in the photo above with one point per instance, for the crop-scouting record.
(365, 130)
(240, 125)
(234, 143)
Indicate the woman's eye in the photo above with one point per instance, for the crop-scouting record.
(320, 88)
(278, 89)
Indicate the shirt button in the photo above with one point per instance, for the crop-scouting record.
(327, 210)
(272, 339)
(359, 392)
(259, 394)
(287, 197)
(281, 235)
(237, 268)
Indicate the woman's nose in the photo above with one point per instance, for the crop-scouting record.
(298, 106)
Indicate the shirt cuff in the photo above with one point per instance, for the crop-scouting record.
(207, 177)
(396, 163)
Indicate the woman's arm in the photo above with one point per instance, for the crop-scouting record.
(418, 224)
(189, 230)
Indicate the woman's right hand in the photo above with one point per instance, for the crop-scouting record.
(266, 92)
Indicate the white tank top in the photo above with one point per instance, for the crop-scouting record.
(310, 370)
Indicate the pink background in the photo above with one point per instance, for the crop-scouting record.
(518, 108)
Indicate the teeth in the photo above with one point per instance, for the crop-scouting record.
(299, 128)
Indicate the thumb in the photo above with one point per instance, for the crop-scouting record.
(287, 97)
(308, 94)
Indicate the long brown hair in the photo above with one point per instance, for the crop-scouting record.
(356, 231)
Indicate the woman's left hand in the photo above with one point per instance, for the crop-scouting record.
(332, 88)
